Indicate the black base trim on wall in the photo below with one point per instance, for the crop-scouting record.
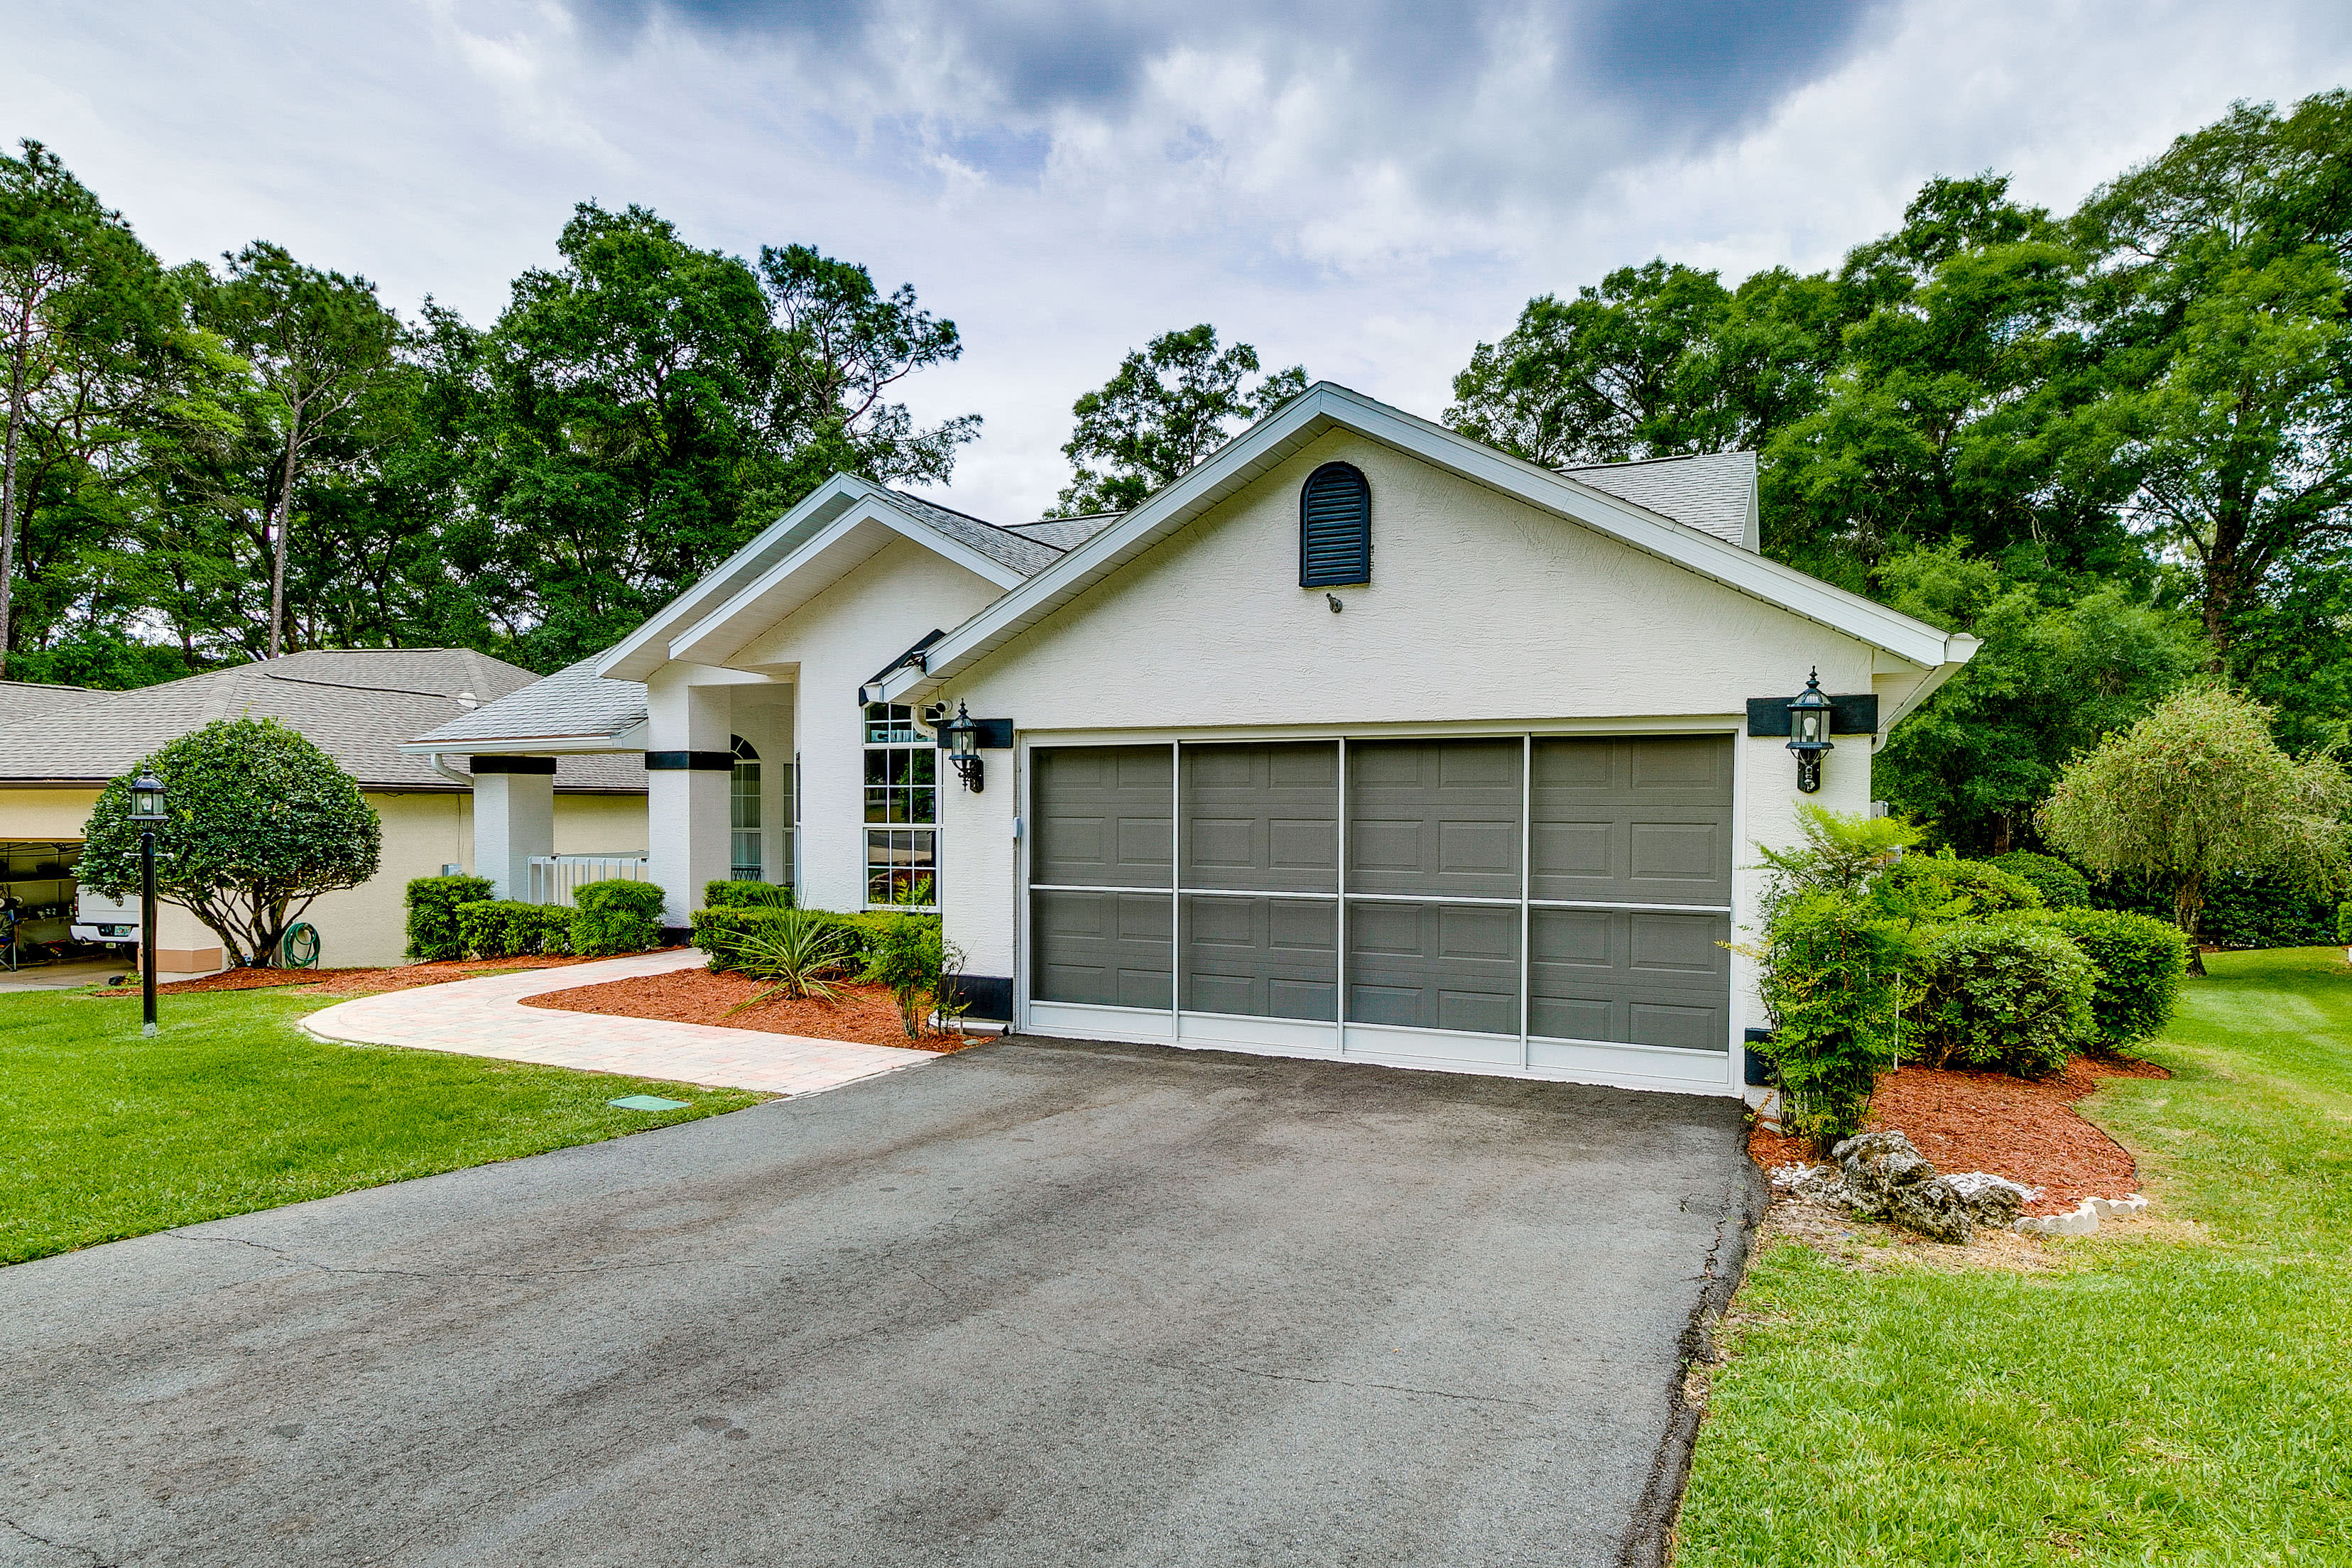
(689, 762)
(1760, 1072)
(485, 764)
(990, 997)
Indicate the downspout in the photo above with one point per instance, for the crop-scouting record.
(433, 759)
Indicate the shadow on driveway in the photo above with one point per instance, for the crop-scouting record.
(1040, 1303)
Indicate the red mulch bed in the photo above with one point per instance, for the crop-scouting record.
(355, 981)
(2026, 1130)
(865, 1013)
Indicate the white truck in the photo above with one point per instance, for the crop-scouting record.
(102, 921)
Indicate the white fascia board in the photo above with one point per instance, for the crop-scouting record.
(629, 740)
(1958, 648)
(646, 650)
(716, 635)
(1324, 406)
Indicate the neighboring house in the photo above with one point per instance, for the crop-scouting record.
(358, 705)
(1361, 740)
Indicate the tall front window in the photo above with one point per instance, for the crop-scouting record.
(901, 808)
(743, 814)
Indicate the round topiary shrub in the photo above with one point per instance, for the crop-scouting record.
(2139, 964)
(2002, 995)
(2060, 886)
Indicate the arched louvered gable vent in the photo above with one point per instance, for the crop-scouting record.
(1335, 527)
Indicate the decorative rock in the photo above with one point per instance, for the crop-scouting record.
(1933, 1208)
(1992, 1200)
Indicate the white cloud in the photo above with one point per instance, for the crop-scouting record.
(1064, 182)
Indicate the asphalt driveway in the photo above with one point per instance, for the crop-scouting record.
(1038, 1303)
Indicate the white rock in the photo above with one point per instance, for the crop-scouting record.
(1968, 1183)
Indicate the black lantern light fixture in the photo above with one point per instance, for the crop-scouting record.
(1808, 732)
(147, 811)
(962, 733)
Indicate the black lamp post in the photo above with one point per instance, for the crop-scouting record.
(963, 747)
(1808, 732)
(147, 811)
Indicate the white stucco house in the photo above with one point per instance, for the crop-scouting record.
(1361, 740)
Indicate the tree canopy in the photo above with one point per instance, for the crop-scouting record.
(1171, 405)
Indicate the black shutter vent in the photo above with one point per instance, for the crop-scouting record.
(1334, 527)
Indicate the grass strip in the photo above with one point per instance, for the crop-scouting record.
(2170, 1392)
(233, 1108)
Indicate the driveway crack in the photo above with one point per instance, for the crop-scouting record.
(56, 1545)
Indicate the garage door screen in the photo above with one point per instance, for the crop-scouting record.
(1504, 900)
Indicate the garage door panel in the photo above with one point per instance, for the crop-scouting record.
(1630, 976)
(1631, 820)
(1272, 958)
(1101, 816)
(1434, 966)
(1109, 950)
(1434, 818)
(1262, 817)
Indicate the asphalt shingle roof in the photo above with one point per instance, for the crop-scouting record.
(358, 705)
(574, 703)
(23, 698)
(1066, 533)
(1711, 492)
(1002, 545)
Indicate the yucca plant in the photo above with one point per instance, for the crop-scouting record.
(800, 951)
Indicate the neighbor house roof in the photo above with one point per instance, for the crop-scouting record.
(1590, 499)
(358, 705)
(23, 698)
(1714, 492)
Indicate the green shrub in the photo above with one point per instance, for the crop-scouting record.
(2137, 963)
(509, 928)
(715, 928)
(2007, 995)
(1833, 978)
(746, 896)
(2060, 886)
(618, 914)
(1945, 887)
(911, 957)
(2344, 922)
(433, 933)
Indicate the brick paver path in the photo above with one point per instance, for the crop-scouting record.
(487, 1018)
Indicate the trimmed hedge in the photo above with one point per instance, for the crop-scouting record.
(858, 931)
(618, 914)
(2060, 886)
(2011, 994)
(746, 896)
(509, 928)
(2241, 910)
(433, 932)
(2139, 963)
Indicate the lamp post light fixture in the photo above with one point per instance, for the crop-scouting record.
(1808, 732)
(147, 811)
(963, 747)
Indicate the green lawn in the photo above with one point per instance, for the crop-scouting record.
(2171, 1393)
(231, 1107)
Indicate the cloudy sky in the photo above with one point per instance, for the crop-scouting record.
(1365, 189)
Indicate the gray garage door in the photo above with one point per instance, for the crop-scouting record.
(1535, 893)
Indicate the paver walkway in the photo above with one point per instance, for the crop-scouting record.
(488, 1018)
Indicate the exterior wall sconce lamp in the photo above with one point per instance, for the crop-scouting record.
(962, 733)
(147, 811)
(1808, 732)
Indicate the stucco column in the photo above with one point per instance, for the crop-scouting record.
(687, 761)
(514, 819)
